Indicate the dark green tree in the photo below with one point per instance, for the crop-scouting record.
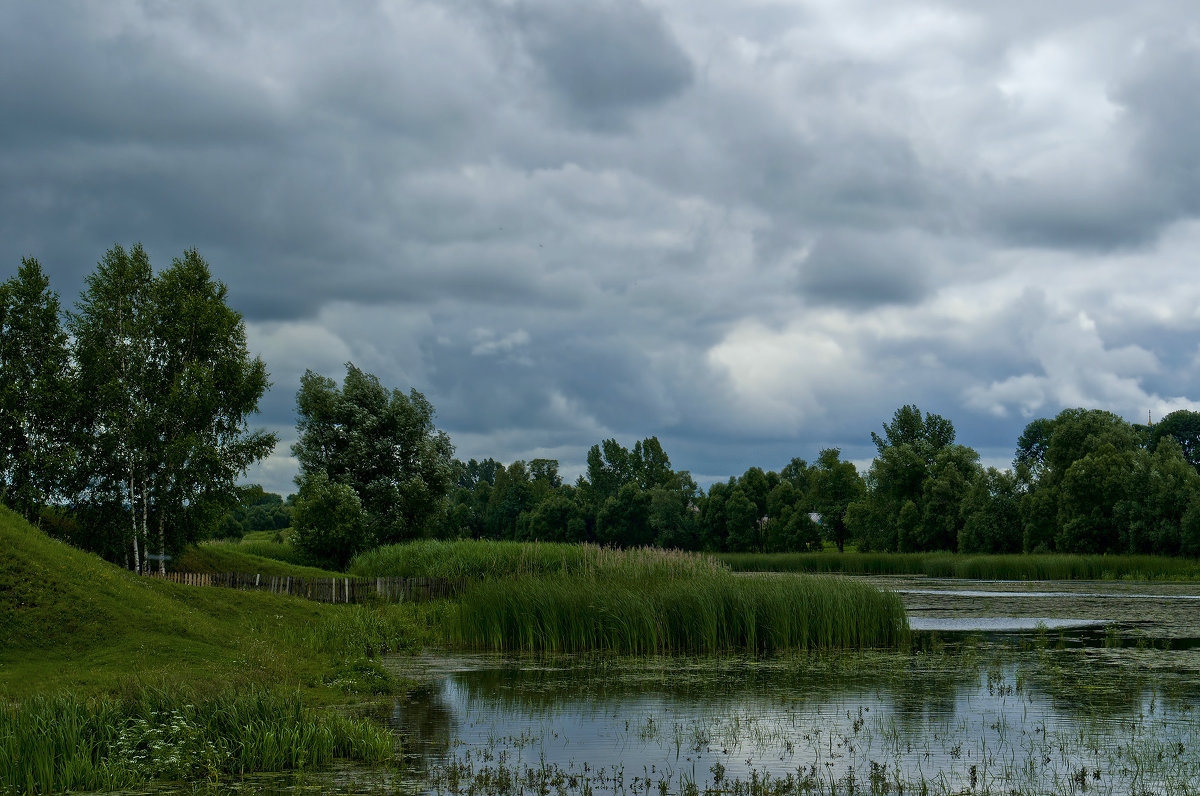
(835, 484)
(382, 444)
(1184, 427)
(329, 522)
(36, 399)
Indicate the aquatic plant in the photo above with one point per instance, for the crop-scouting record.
(64, 742)
(980, 567)
(485, 559)
(700, 614)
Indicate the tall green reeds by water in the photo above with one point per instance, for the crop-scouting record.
(483, 560)
(981, 567)
(52, 744)
(711, 613)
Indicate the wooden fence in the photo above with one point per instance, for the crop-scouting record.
(326, 590)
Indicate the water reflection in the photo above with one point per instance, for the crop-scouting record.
(958, 720)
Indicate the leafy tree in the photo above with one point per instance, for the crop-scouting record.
(741, 522)
(170, 386)
(36, 451)
(624, 519)
(205, 386)
(558, 518)
(1184, 427)
(835, 485)
(111, 332)
(380, 443)
(329, 522)
(649, 464)
(1089, 497)
(991, 517)
(511, 496)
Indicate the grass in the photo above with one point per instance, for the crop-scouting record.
(263, 557)
(69, 620)
(982, 567)
(486, 560)
(703, 614)
(85, 644)
(58, 743)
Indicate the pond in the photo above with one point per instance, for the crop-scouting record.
(1027, 688)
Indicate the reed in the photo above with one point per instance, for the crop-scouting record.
(981, 567)
(712, 613)
(485, 560)
(64, 742)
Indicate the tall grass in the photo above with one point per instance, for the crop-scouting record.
(59, 743)
(485, 560)
(710, 613)
(982, 567)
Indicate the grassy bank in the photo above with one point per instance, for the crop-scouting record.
(57, 743)
(982, 567)
(102, 672)
(703, 614)
(486, 560)
(265, 558)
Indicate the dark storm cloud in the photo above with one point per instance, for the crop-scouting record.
(861, 269)
(753, 231)
(605, 58)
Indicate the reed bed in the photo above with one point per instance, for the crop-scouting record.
(488, 560)
(980, 567)
(704, 614)
(59, 743)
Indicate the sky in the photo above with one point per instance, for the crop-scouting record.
(752, 229)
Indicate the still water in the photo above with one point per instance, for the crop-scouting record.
(1025, 688)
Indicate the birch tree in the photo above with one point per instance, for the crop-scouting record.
(35, 399)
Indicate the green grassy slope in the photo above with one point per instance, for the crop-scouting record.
(70, 619)
(235, 557)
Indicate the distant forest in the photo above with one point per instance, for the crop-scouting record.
(124, 430)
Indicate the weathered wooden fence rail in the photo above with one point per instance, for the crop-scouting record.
(326, 590)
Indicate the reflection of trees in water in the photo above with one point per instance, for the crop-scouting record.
(423, 720)
(1081, 687)
(917, 684)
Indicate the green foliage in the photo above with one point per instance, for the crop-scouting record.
(381, 444)
(990, 512)
(170, 386)
(981, 567)
(1183, 426)
(330, 524)
(491, 560)
(59, 743)
(36, 402)
(696, 615)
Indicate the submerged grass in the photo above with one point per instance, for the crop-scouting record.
(980, 567)
(64, 742)
(485, 560)
(703, 614)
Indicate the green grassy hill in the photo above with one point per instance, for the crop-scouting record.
(68, 619)
(246, 557)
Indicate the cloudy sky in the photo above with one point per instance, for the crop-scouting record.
(753, 229)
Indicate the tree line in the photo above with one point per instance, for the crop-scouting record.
(124, 430)
(124, 421)
(375, 470)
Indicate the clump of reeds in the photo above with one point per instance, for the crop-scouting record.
(484, 560)
(981, 567)
(59, 743)
(711, 613)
